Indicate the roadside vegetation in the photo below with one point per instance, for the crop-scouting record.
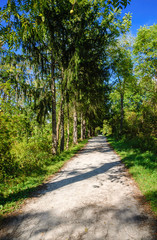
(34, 164)
(133, 108)
(142, 164)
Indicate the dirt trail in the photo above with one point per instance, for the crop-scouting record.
(92, 198)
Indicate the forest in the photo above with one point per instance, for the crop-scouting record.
(70, 70)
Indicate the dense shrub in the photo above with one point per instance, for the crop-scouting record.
(7, 164)
(29, 156)
(20, 154)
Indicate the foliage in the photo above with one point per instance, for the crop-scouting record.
(107, 130)
(133, 99)
(134, 95)
(145, 47)
(35, 165)
(52, 59)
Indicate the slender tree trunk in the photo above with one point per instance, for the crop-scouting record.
(62, 112)
(81, 126)
(53, 89)
(68, 126)
(75, 124)
(62, 125)
(58, 125)
(122, 112)
(84, 129)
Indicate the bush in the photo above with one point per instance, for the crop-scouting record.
(7, 164)
(32, 155)
(20, 154)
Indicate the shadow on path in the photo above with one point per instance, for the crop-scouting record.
(64, 182)
(100, 147)
(47, 222)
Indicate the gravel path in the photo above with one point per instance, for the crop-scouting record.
(91, 198)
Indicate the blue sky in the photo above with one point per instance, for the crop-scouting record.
(144, 12)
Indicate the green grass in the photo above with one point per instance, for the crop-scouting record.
(141, 164)
(14, 191)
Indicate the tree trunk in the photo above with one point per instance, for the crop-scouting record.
(81, 126)
(122, 112)
(89, 132)
(68, 126)
(84, 129)
(53, 89)
(75, 124)
(62, 125)
(58, 125)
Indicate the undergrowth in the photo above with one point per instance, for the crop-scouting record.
(16, 188)
(141, 164)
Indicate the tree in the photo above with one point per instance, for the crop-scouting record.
(52, 35)
(122, 67)
(145, 50)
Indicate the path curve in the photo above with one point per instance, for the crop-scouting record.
(91, 198)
